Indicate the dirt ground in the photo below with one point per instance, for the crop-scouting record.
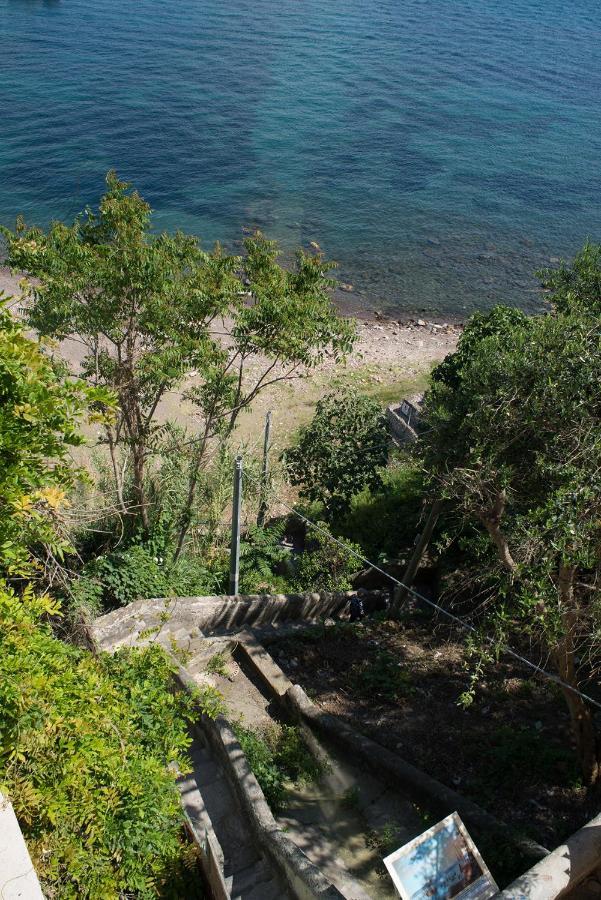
(510, 750)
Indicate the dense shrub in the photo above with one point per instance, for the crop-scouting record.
(340, 451)
(513, 442)
(122, 576)
(40, 411)
(85, 743)
(325, 565)
(263, 560)
(385, 520)
(277, 755)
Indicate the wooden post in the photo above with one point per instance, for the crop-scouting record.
(235, 544)
(401, 592)
(264, 474)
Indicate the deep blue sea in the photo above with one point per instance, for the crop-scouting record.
(439, 150)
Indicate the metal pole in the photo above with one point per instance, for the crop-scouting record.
(235, 545)
(263, 500)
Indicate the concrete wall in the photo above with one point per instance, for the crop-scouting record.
(214, 615)
(211, 860)
(401, 425)
(18, 877)
(570, 871)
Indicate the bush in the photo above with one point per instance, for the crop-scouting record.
(118, 578)
(385, 520)
(126, 575)
(85, 741)
(277, 754)
(40, 411)
(85, 744)
(340, 452)
(262, 560)
(325, 565)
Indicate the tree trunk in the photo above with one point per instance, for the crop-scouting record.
(139, 488)
(583, 727)
(116, 474)
(491, 519)
(129, 401)
(186, 513)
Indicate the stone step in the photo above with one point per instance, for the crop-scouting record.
(199, 661)
(238, 852)
(245, 879)
(197, 646)
(207, 794)
(208, 773)
(181, 636)
(268, 890)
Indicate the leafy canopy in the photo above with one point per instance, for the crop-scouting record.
(84, 749)
(150, 308)
(576, 287)
(39, 417)
(84, 740)
(514, 440)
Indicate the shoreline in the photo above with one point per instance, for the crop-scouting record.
(351, 304)
(381, 339)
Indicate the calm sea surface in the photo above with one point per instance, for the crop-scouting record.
(439, 150)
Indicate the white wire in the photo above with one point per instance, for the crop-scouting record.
(549, 675)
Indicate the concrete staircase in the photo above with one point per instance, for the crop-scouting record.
(209, 802)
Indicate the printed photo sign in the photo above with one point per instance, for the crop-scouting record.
(441, 863)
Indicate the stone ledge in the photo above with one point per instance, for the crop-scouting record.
(18, 877)
(217, 614)
(263, 664)
(564, 872)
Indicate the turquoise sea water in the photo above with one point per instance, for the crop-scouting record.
(440, 150)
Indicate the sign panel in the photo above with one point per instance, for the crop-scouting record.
(441, 863)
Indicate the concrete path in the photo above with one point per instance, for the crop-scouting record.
(208, 800)
(330, 820)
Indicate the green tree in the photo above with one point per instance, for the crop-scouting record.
(514, 439)
(340, 451)
(576, 286)
(150, 308)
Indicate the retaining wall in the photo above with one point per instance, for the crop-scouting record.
(18, 878)
(571, 870)
(218, 614)
(401, 425)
